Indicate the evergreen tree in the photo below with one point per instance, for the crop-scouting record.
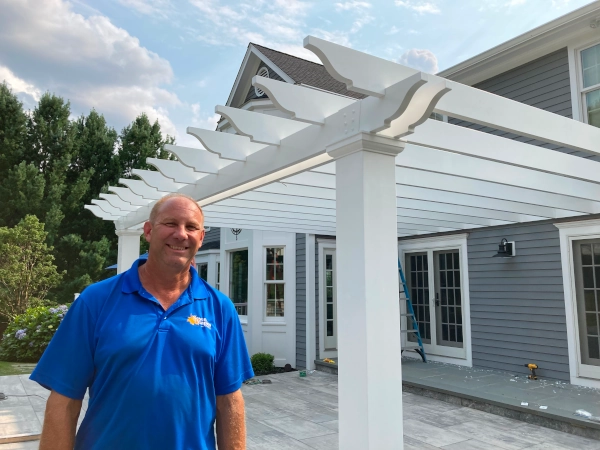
(13, 129)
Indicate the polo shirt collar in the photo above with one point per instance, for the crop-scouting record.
(132, 283)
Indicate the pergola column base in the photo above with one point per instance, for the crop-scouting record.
(370, 371)
(129, 248)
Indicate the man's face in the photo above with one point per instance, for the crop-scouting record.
(177, 233)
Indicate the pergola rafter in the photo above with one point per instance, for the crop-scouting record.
(368, 171)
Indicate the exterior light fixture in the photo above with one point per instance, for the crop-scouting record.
(235, 232)
(506, 249)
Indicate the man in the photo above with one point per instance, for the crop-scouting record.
(162, 352)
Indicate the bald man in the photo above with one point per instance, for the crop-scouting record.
(161, 351)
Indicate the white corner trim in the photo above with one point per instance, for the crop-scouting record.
(311, 333)
(569, 232)
(323, 244)
(447, 242)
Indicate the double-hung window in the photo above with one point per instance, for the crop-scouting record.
(590, 84)
(274, 282)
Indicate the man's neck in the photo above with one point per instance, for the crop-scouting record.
(165, 283)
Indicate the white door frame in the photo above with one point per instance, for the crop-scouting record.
(451, 355)
(580, 374)
(323, 245)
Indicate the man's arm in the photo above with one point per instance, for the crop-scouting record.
(60, 422)
(231, 423)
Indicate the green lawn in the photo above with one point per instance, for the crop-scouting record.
(13, 368)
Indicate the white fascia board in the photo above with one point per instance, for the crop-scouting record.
(528, 46)
(271, 65)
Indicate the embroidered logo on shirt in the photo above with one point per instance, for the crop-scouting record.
(195, 320)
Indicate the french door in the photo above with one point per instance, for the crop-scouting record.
(330, 304)
(586, 259)
(434, 280)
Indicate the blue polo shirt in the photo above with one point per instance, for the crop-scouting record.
(153, 375)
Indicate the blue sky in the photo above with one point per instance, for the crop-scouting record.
(177, 59)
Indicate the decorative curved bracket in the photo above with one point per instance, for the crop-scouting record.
(419, 110)
(175, 170)
(108, 208)
(117, 202)
(100, 213)
(360, 72)
(201, 161)
(142, 189)
(261, 128)
(127, 195)
(157, 180)
(302, 103)
(227, 145)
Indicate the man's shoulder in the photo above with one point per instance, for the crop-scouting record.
(101, 290)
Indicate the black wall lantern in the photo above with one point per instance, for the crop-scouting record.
(506, 249)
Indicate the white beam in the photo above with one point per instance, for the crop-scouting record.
(117, 202)
(371, 75)
(227, 145)
(100, 213)
(464, 141)
(108, 208)
(127, 195)
(261, 128)
(302, 103)
(140, 188)
(175, 170)
(157, 180)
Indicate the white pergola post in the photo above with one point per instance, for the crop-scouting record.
(370, 370)
(129, 248)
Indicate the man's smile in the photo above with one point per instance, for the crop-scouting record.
(177, 248)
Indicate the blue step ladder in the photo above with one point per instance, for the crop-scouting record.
(410, 315)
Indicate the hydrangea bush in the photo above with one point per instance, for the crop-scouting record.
(26, 337)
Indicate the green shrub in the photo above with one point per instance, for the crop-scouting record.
(26, 337)
(262, 363)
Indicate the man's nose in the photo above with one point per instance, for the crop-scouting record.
(181, 232)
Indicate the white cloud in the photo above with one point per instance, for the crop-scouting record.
(393, 30)
(86, 60)
(149, 7)
(421, 7)
(352, 5)
(18, 85)
(423, 60)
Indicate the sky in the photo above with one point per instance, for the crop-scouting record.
(176, 60)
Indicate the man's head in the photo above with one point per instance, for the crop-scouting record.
(175, 231)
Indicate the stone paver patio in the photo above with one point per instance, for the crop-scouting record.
(301, 413)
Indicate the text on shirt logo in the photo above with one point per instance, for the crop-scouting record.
(195, 320)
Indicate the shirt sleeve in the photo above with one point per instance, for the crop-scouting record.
(233, 363)
(67, 365)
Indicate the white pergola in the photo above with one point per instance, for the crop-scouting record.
(369, 171)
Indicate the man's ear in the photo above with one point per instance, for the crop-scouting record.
(147, 231)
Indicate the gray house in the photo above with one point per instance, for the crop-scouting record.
(541, 305)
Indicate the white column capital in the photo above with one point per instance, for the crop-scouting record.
(129, 232)
(366, 142)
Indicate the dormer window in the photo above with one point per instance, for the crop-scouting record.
(262, 72)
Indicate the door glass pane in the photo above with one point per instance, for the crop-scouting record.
(590, 62)
(203, 271)
(592, 101)
(587, 286)
(417, 274)
(448, 311)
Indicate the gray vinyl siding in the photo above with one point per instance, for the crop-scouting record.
(517, 304)
(543, 83)
(214, 235)
(301, 301)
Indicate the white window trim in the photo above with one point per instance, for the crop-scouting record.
(455, 241)
(569, 232)
(265, 282)
(576, 77)
(323, 245)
